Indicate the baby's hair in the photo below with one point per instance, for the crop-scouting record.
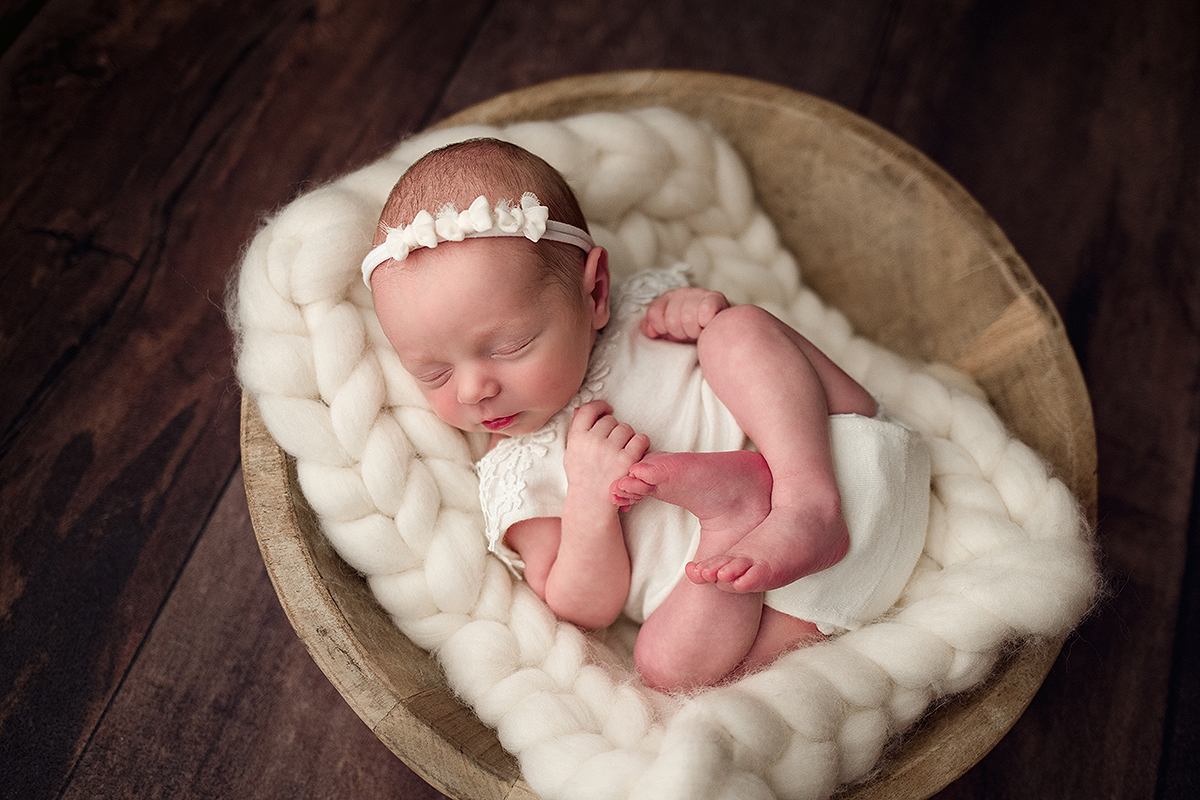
(458, 173)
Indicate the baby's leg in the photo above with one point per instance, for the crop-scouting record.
(781, 389)
(700, 634)
(721, 489)
(778, 633)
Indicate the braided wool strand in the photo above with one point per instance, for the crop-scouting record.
(1007, 557)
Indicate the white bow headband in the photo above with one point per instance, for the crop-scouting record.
(530, 219)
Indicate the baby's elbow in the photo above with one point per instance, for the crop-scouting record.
(593, 599)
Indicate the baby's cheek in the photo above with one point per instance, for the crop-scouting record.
(443, 406)
(558, 383)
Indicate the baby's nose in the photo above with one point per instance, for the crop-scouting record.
(476, 386)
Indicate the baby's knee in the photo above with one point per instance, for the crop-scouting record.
(741, 319)
(738, 329)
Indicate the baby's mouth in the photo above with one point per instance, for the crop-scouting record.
(499, 423)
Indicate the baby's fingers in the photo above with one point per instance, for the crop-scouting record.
(667, 320)
(637, 446)
(654, 324)
(679, 319)
(713, 303)
(620, 436)
(586, 415)
(680, 315)
(699, 310)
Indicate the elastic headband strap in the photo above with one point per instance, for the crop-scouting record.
(480, 221)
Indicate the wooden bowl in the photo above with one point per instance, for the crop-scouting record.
(882, 234)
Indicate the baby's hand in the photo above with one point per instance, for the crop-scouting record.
(599, 451)
(680, 314)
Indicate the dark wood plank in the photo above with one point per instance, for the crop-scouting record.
(239, 709)
(829, 49)
(1179, 774)
(143, 143)
(1074, 124)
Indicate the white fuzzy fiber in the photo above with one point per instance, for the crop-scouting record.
(1008, 556)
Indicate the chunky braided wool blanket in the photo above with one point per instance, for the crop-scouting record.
(1007, 556)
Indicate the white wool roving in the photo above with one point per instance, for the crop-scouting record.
(1007, 558)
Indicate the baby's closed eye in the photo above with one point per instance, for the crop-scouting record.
(514, 348)
(434, 377)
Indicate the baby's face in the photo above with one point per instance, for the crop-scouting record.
(493, 345)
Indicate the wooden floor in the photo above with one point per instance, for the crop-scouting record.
(142, 650)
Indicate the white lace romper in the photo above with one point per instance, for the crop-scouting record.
(882, 471)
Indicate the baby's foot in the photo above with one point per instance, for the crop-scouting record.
(728, 490)
(789, 544)
(628, 491)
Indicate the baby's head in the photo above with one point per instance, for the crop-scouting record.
(495, 326)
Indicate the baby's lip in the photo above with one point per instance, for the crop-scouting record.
(499, 423)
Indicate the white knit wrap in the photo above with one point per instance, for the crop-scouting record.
(1007, 558)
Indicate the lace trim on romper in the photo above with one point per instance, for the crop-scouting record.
(502, 485)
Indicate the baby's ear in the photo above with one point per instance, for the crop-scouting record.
(596, 284)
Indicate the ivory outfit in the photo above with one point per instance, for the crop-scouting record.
(882, 471)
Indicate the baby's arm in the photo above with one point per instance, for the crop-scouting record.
(578, 563)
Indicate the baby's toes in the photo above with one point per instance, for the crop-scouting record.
(621, 500)
(650, 470)
(741, 574)
(706, 571)
(631, 487)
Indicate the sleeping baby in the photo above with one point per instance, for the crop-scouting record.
(654, 450)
